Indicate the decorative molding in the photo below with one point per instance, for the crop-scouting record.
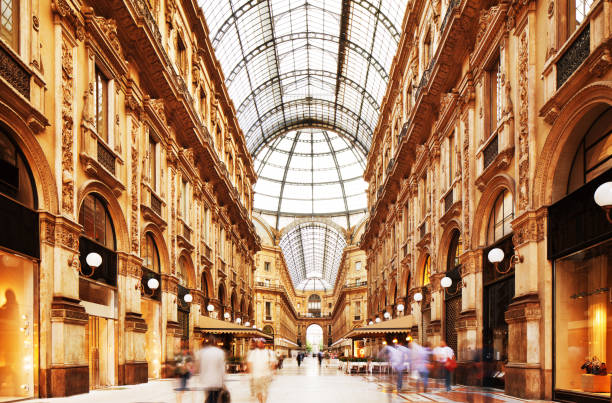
(67, 128)
(529, 227)
(500, 163)
(523, 140)
(135, 181)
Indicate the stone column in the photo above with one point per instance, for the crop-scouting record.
(134, 368)
(437, 302)
(524, 373)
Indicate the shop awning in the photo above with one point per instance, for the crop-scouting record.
(216, 326)
(279, 341)
(342, 342)
(397, 325)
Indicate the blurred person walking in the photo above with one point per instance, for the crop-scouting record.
(320, 357)
(445, 357)
(183, 369)
(299, 358)
(260, 364)
(211, 361)
(421, 362)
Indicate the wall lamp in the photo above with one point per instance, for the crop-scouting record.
(496, 256)
(603, 198)
(152, 285)
(446, 282)
(94, 260)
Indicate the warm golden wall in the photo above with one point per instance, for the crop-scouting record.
(125, 100)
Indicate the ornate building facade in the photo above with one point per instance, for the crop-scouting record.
(494, 134)
(126, 193)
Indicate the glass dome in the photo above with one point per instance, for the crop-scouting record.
(313, 251)
(310, 172)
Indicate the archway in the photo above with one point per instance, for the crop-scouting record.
(314, 338)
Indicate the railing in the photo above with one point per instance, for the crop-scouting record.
(107, 271)
(490, 152)
(186, 232)
(156, 204)
(106, 158)
(357, 284)
(574, 56)
(448, 201)
(449, 12)
(423, 230)
(390, 165)
(14, 73)
(403, 132)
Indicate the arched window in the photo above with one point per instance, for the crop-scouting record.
(426, 270)
(221, 294)
(205, 285)
(15, 176)
(454, 251)
(594, 153)
(96, 221)
(501, 217)
(182, 275)
(314, 305)
(151, 254)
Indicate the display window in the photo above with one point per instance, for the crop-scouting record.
(583, 304)
(17, 320)
(151, 313)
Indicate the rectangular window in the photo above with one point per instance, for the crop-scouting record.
(267, 282)
(9, 22)
(268, 310)
(578, 10)
(495, 94)
(267, 266)
(424, 201)
(184, 202)
(101, 100)
(152, 162)
(181, 55)
(451, 159)
(357, 310)
(205, 219)
(357, 266)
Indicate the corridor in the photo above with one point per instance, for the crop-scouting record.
(292, 384)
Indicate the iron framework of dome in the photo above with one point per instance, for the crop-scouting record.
(313, 251)
(295, 64)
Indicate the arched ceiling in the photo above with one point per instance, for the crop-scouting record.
(303, 63)
(313, 252)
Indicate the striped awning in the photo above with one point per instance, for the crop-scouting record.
(397, 325)
(216, 326)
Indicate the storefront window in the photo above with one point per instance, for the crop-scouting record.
(152, 316)
(17, 361)
(426, 270)
(582, 306)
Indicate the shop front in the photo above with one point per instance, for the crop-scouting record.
(580, 250)
(19, 260)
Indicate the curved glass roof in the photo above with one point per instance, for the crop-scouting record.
(302, 63)
(313, 251)
(308, 172)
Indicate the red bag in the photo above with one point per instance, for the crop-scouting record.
(450, 364)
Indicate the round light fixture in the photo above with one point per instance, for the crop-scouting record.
(394, 341)
(238, 320)
(254, 326)
(603, 195)
(370, 323)
(247, 324)
(377, 320)
(93, 259)
(188, 298)
(153, 283)
(210, 308)
(418, 297)
(446, 282)
(400, 307)
(387, 315)
(226, 315)
(495, 255)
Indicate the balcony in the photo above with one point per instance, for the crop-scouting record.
(356, 285)
(152, 206)
(448, 201)
(490, 152)
(184, 236)
(99, 161)
(573, 56)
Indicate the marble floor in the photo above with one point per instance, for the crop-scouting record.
(308, 383)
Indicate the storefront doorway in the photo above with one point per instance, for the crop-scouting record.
(101, 336)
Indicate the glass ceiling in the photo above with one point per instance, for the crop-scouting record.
(308, 172)
(294, 64)
(313, 251)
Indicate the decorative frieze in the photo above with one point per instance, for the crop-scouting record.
(67, 129)
(523, 155)
(134, 189)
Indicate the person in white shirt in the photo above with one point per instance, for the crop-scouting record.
(260, 365)
(443, 353)
(211, 361)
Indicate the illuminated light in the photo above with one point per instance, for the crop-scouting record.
(210, 308)
(387, 315)
(418, 297)
(188, 298)
(394, 341)
(370, 323)
(377, 320)
(603, 195)
(408, 338)
(495, 255)
(384, 343)
(94, 259)
(247, 324)
(238, 320)
(446, 282)
(226, 315)
(400, 307)
(153, 284)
